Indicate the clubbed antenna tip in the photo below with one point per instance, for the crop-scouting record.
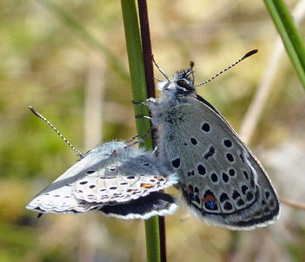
(34, 111)
(252, 52)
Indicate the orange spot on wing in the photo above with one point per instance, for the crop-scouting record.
(209, 197)
(146, 185)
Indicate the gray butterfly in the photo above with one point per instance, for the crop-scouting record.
(220, 179)
(116, 179)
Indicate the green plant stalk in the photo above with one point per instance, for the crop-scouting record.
(138, 83)
(291, 38)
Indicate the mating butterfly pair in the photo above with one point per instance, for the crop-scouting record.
(221, 181)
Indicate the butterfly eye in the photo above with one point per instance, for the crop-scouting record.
(182, 83)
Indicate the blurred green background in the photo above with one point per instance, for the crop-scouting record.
(68, 60)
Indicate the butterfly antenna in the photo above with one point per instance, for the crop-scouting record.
(161, 71)
(55, 129)
(229, 67)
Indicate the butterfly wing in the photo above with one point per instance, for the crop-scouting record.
(156, 203)
(219, 177)
(113, 179)
(128, 188)
(121, 180)
(59, 197)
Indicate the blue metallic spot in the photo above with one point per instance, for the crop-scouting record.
(212, 205)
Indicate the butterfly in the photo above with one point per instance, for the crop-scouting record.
(220, 179)
(114, 178)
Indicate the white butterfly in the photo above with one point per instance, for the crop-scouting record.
(116, 179)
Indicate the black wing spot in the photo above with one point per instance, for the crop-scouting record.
(250, 196)
(113, 188)
(244, 189)
(191, 173)
(242, 158)
(230, 157)
(227, 143)
(240, 202)
(225, 177)
(267, 194)
(92, 186)
(228, 206)
(231, 172)
(130, 177)
(196, 190)
(235, 195)
(201, 170)
(214, 177)
(246, 175)
(90, 171)
(210, 153)
(206, 127)
(176, 163)
(194, 141)
(83, 182)
(223, 197)
(112, 169)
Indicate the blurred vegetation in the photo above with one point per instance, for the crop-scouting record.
(46, 62)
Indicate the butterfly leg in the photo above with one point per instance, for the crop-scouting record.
(148, 101)
(155, 150)
(152, 100)
(131, 139)
(138, 103)
(143, 117)
(140, 140)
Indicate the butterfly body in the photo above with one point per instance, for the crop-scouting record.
(220, 179)
(115, 179)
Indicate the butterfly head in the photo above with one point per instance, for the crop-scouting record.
(182, 83)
